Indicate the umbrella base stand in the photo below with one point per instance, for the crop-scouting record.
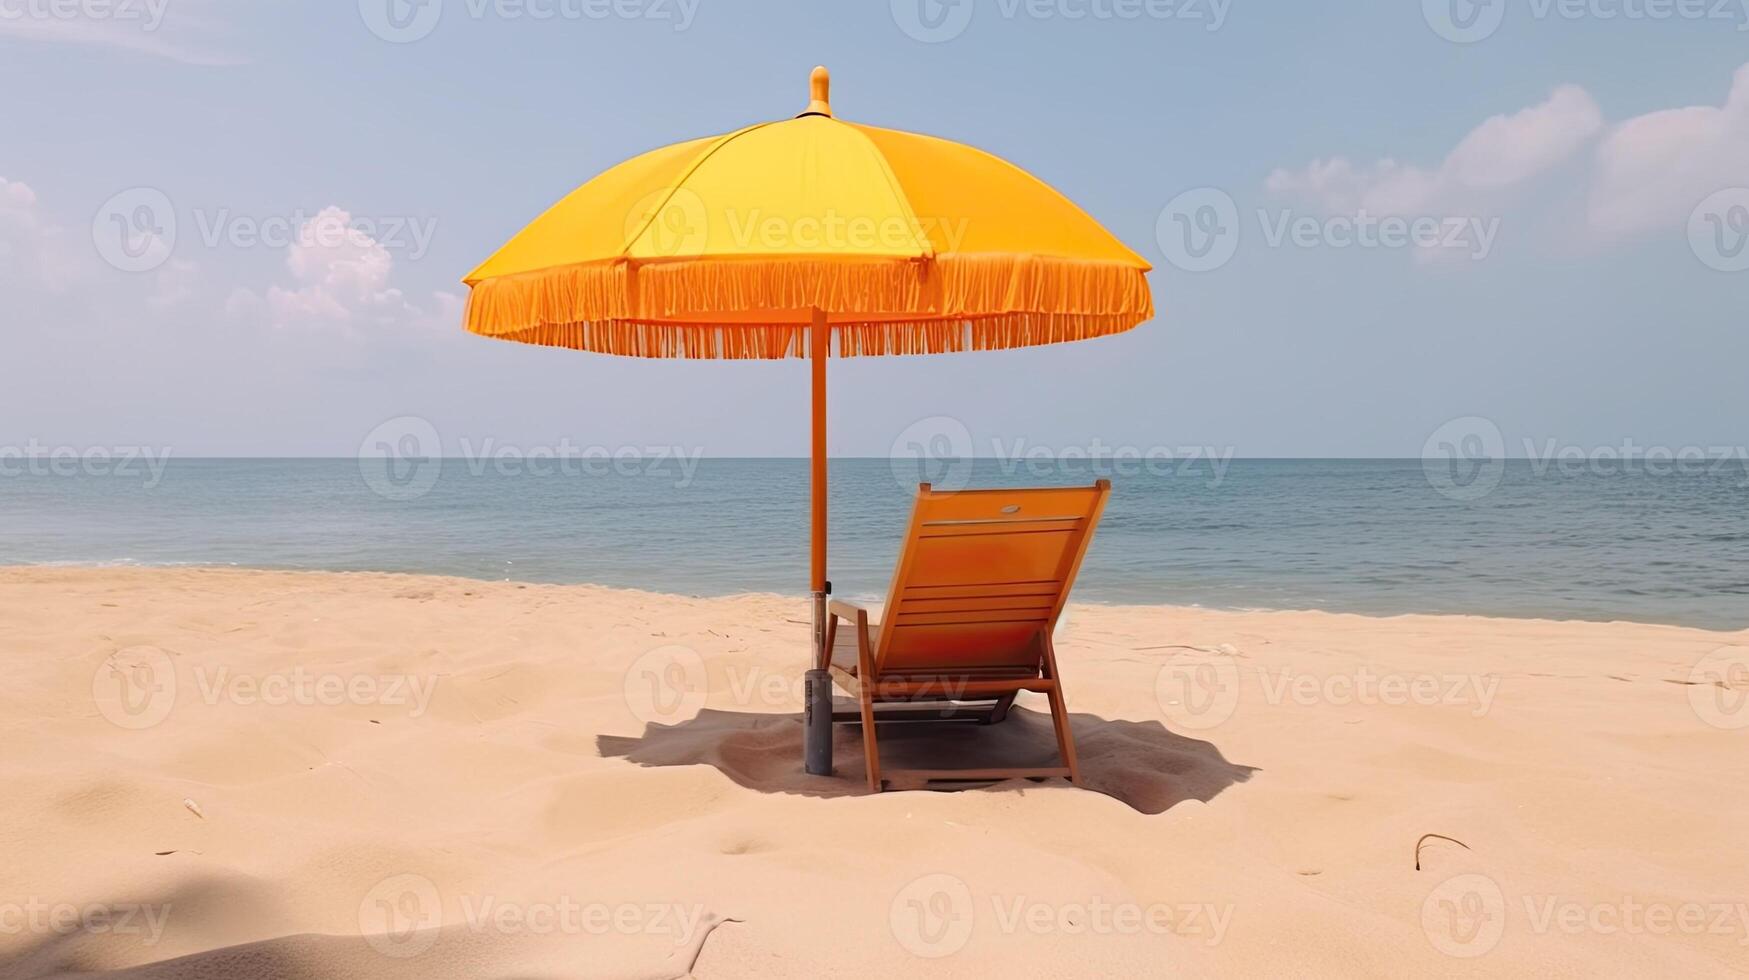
(817, 723)
(817, 700)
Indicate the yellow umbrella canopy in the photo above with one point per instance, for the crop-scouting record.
(726, 246)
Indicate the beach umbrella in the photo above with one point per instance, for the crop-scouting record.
(810, 237)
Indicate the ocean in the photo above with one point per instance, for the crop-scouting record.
(1521, 538)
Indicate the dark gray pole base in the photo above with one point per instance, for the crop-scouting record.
(817, 723)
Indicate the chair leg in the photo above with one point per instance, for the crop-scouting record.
(871, 752)
(1060, 711)
(865, 685)
(999, 713)
(1065, 736)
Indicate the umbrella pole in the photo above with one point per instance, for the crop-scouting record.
(817, 717)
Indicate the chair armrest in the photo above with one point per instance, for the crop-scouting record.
(848, 610)
(837, 609)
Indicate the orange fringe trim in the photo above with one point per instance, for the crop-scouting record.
(903, 306)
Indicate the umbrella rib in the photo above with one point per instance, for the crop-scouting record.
(681, 180)
(919, 239)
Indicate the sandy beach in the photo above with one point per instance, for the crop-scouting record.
(236, 773)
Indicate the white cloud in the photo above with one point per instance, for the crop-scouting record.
(176, 284)
(37, 251)
(1507, 150)
(341, 280)
(15, 195)
(1653, 169)
(1502, 153)
(1644, 175)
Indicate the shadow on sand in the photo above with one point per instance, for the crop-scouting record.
(203, 911)
(1140, 763)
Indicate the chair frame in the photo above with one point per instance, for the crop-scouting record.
(930, 692)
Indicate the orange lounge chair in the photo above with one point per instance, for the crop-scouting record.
(982, 577)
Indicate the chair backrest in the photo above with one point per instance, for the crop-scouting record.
(983, 576)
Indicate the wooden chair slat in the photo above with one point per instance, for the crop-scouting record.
(971, 603)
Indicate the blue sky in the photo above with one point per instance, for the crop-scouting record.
(1565, 157)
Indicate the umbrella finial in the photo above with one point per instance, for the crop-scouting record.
(820, 82)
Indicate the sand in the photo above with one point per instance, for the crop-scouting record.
(227, 773)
